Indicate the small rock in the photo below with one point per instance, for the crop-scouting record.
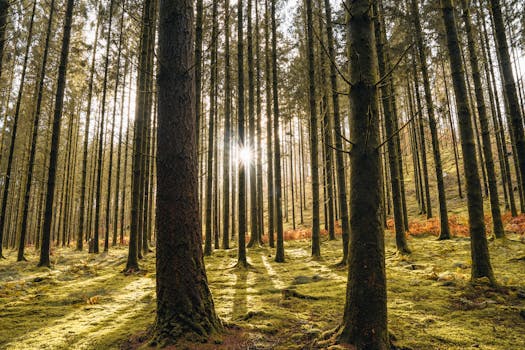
(38, 279)
(522, 314)
(447, 284)
(445, 276)
(475, 345)
(301, 280)
(316, 278)
(461, 265)
(521, 294)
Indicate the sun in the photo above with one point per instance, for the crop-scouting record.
(245, 155)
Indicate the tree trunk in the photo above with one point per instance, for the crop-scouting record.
(481, 266)
(279, 254)
(227, 131)
(509, 88)
(387, 96)
(443, 215)
(55, 135)
(483, 120)
(241, 258)
(184, 303)
(365, 314)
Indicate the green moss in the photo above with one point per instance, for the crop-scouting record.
(85, 302)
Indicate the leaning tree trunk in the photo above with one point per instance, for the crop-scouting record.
(481, 266)
(365, 314)
(55, 136)
(184, 303)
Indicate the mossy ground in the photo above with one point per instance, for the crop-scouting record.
(85, 302)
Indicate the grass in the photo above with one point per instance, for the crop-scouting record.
(84, 302)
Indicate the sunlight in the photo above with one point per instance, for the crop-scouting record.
(244, 155)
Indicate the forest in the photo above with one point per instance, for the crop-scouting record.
(262, 174)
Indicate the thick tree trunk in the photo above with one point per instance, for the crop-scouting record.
(481, 266)
(365, 314)
(184, 303)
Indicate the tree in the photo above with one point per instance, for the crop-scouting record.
(365, 314)
(11, 150)
(387, 97)
(339, 162)
(483, 121)
(241, 258)
(55, 135)
(184, 302)
(227, 131)
(100, 157)
(316, 244)
(481, 266)
(279, 255)
(509, 88)
(443, 215)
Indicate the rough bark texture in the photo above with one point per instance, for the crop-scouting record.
(481, 266)
(184, 303)
(365, 315)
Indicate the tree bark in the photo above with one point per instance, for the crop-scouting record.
(481, 266)
(365, 314)
(184, 303)
(55, 135)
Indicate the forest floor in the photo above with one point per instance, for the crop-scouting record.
(85, 302)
